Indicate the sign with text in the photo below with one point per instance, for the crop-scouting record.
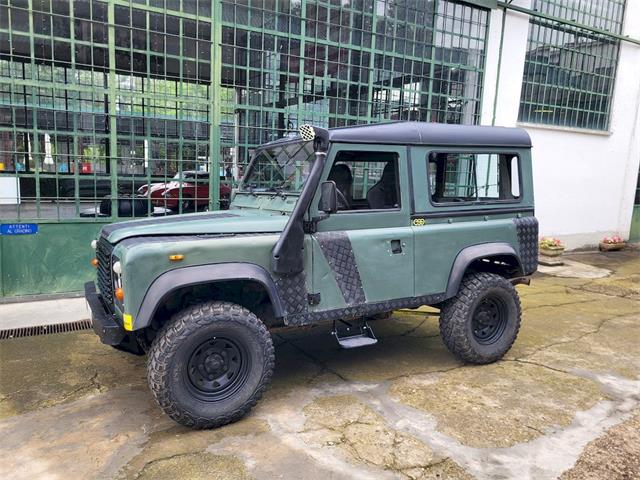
(18, 229)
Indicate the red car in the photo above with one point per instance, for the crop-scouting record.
(195, 192)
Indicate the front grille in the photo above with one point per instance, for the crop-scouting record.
(103, 254)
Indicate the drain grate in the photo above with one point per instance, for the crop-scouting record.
(45, 329)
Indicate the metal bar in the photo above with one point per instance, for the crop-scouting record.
(215, 106)
(113, 122)
(533, 13)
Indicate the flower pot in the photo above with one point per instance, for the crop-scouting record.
(611, 247)
(552, 251)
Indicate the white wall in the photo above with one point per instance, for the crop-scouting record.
(584, 181)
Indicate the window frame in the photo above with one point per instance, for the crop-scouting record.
(396, 160)
(440, 205)
(577, 117)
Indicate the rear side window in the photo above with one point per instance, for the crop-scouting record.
(473, 177)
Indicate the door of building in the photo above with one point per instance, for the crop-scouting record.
(634, 235)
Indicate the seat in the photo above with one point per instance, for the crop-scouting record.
(341, 175)
(384, 194)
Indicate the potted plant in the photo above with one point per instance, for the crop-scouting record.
(551, 247)
(610, 244)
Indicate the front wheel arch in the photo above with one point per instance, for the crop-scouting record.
(191, 277)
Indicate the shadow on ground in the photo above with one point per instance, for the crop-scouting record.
(565, 401)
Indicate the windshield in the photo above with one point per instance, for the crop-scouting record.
(280, 169)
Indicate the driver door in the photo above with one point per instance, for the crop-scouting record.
(364, 252)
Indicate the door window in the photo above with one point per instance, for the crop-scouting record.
(366, 180)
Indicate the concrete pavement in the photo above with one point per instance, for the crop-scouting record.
(564, 403)
(44, 312)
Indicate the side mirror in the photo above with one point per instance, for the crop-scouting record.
(328, 197)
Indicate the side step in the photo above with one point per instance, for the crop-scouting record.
(351, 335)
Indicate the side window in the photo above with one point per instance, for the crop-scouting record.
(473, 177)
(366, 180)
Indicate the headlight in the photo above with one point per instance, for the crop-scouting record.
(118, 293)
(94, 244)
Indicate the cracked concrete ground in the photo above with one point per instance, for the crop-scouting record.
(564, 402)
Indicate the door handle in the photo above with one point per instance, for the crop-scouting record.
(396, 246)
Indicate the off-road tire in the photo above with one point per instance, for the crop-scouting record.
(457, 318)
(181, 338)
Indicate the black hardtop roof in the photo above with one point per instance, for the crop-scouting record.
(423, 133)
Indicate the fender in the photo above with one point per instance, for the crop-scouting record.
(468, 255)
(199, 274)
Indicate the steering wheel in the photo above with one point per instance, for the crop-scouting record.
(342, 199)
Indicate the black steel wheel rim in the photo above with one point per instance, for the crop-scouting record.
(217, 368)
(489, 320)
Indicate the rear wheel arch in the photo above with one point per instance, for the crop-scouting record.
(499, 258)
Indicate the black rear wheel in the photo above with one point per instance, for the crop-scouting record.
(482, 321)
(489, 320)
(210, 364)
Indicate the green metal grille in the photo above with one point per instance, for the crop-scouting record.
(100, 98)
(344, 63)
(570, 72)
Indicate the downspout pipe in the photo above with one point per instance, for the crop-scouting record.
(495, 94)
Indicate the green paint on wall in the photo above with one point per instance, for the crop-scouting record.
(55, 260)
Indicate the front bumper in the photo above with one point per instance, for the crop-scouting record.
(103, 322)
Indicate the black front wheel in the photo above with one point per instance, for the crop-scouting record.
(482, 321)
(210, 364)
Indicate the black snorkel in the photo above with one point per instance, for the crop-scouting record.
(287, 254)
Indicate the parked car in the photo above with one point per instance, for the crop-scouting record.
(128, 206)
(331, 227)
(195, 192)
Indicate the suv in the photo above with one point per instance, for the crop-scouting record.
(339, 225)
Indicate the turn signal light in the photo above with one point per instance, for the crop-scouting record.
(176, 258)
(119, 293)
(94, 262)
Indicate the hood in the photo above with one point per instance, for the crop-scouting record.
(227, 221)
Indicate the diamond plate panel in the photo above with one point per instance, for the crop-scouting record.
(293, 293)
(337, 249)
(527, 230)
(364, 309)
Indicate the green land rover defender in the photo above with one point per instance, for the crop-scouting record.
(340, 225)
